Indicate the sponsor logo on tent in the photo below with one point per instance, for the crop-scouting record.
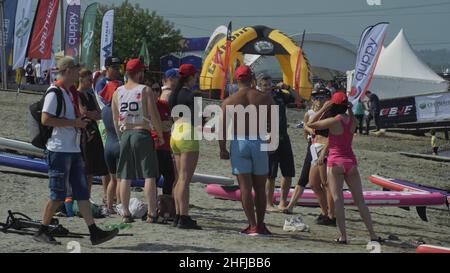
(397, 111)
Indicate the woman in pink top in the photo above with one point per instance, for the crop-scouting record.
(342, 164)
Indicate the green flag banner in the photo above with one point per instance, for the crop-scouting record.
(87, 44)
(144, 54)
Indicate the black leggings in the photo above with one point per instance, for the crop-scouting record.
(304, 177)
(166, 169)
(369, 119)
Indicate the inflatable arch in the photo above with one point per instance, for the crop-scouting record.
(259, 40)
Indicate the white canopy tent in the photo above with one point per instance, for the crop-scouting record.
(400, 73)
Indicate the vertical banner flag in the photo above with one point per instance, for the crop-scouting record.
(369, 50)
(144, 54)
(10, 15)
(218, 59)
(73, 29)
(22, 30)
(227, 62)
(106, 47)
(43, 30)
(48, 64)
(87, 45)
(302, 76)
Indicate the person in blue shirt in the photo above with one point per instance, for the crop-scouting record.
(112, 65)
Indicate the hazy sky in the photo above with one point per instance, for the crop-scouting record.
(426, 22)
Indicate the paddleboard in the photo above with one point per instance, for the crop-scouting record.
(432, 249)
(40, 166)
(407, 186)
(372, 198)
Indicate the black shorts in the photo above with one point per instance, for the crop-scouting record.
(283, 158)
(435, 150)
(166, 169)
(304, 176)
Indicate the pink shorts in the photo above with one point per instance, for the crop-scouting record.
(347, 164)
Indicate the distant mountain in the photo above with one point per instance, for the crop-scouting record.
(438, 59)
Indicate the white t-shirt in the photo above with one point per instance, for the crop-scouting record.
(37, 68)
(63, 139)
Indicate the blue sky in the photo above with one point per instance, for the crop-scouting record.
(425, 21)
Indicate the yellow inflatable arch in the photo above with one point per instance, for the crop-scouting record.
(259, 40)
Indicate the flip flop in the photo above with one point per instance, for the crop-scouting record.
(288, 211)
(341, 242)
(379, 240)
(272, 210)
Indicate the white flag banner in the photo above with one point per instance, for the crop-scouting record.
(49, 63)
(24, 22)
(107, 37)
(433, 107)
(369, 51)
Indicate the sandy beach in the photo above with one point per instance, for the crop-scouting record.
(222, 220)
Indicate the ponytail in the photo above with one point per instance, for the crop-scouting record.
(174, 95)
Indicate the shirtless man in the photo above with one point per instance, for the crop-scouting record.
(248, 160)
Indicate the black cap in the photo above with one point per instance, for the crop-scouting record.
(110, 61)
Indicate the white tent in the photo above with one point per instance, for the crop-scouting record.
(400, 73)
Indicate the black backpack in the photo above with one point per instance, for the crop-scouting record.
(39, 132)
(29, 69)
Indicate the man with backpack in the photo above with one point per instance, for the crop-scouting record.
(65, 163)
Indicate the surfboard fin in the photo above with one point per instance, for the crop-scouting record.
(422, 211)
(405, 208)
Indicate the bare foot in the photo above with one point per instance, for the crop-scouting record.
(272, 209)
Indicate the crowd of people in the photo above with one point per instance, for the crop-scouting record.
(124, 130)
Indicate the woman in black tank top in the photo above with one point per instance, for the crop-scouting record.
(91, 141)
(185, 151)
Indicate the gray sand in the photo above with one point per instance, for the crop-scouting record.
(222, 220)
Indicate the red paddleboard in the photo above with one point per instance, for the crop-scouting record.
(432, 249)
(407, 186)
(372, 198)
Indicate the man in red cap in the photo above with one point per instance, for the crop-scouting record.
(249, 162)
(134, 114)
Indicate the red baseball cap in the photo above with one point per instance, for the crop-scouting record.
(244, 73)
(135, 65)
(187, 70)
(339, 98)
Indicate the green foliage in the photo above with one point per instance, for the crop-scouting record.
(133, 25)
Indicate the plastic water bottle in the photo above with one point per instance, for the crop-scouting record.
(68, 203)
(121, 226)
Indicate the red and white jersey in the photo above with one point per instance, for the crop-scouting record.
(130, 105)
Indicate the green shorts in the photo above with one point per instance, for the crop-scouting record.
(138, 158)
